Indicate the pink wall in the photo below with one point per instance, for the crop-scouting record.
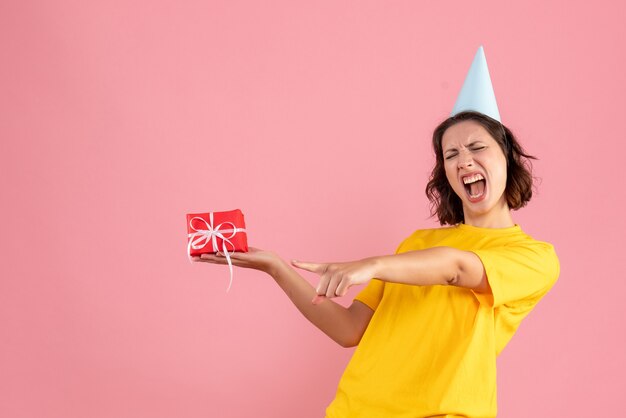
(314, 118)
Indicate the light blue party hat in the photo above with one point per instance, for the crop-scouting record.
(477, 91)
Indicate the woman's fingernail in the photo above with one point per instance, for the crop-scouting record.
(318, 299)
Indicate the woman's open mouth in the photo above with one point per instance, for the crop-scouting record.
(475, 187)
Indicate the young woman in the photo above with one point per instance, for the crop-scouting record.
(430, 325)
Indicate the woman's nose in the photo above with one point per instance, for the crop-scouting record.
(465, 160)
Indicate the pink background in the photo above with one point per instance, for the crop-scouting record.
(117, 118)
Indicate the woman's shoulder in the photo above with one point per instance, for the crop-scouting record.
(429, 232)
(424, 237)
(465, 235)
(524, 239)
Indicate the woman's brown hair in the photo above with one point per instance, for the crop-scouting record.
(519, 181)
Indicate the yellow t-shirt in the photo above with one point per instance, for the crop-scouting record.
(431, 350)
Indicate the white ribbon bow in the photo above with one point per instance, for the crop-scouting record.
(211, 234)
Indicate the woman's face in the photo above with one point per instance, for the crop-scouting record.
(476, 169)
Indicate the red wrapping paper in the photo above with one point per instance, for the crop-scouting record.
(224, 223)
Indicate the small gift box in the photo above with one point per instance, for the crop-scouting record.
(216, 231)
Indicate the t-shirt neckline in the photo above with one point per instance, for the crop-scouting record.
(493, 231)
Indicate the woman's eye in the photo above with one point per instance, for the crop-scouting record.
(451, 156)
(478, 148)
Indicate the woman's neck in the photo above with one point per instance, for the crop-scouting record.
(498, 217)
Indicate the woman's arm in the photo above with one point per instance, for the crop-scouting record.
(432, 266)
(344, 325)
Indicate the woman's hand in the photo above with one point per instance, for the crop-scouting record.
(255, 258)
(336, 278)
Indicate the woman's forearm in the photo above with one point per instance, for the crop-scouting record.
(432, 266)
(339, 323)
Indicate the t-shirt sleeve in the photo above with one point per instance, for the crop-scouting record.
(372, 293)
(518, 273)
